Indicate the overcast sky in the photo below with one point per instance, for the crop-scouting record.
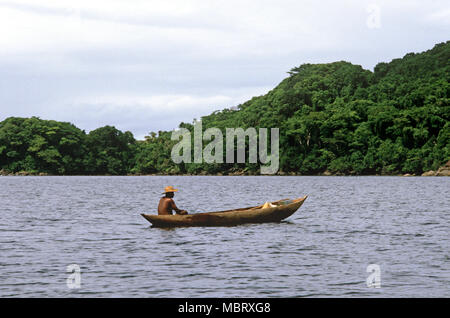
(145, 65)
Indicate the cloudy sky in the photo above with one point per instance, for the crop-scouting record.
(144, 65)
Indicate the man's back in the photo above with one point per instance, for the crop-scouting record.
(165, 206)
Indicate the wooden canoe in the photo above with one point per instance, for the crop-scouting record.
(257, 214)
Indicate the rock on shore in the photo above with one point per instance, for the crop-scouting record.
(443, 171)
(22, 173)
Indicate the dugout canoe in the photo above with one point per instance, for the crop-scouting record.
(256, 214)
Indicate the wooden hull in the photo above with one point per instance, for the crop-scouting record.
(230, 217)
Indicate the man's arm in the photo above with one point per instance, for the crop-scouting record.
(177, 210)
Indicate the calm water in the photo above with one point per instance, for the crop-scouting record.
(402, 224)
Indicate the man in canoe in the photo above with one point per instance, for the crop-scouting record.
(166, 203)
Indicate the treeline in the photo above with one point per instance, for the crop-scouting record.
(336, 118)
(35, 145)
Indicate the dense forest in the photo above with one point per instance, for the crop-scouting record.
(334, 118)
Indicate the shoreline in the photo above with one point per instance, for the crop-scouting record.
(26, 174)
(443, 171)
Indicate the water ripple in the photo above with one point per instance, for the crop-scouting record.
(347, 223)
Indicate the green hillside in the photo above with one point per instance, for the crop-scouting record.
(343, 119)
(335, 118)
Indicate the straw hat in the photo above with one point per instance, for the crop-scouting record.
(169, 189)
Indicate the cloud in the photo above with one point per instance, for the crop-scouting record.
(195, 30)
(130, 63)
(441, 17)
(142, 114)
(227, 29)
